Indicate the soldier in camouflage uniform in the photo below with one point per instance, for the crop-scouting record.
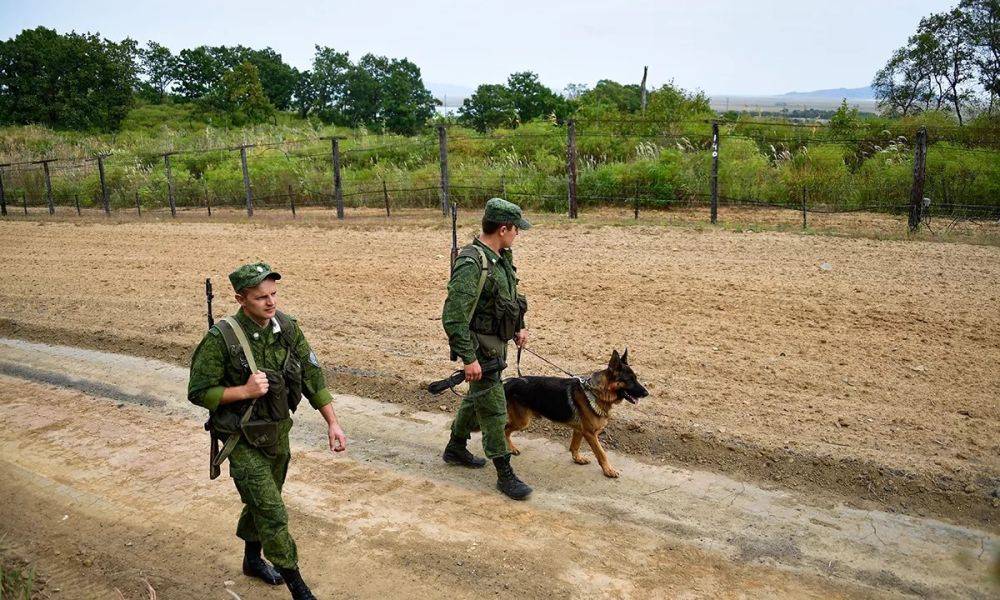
(252, 409)
(482, 313)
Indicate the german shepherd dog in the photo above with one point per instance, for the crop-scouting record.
(566, 400)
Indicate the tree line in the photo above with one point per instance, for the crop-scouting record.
(85, 82)
(951, 63)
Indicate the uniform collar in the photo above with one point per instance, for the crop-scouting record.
(490, 254)
(251, 326)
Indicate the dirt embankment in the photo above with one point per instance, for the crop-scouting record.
(874, 379)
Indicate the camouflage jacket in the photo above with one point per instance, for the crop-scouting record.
(462, 290)
(212, 371)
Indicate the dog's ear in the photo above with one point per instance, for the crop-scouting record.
(616, 360)
(625, 356)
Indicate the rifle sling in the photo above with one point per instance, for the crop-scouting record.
(234, 328)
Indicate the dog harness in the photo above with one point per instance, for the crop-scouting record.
(588, 392)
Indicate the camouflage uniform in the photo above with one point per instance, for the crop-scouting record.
(258, 474)
(485, 406)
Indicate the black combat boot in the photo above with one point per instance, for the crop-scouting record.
(455, 453)
(507, 481)
(298, 588)
(255, 566)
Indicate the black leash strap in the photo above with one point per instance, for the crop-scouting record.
(543, 359)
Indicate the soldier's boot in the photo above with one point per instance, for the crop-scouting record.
(255, 566)
(455, 453)
(298, 588)
(507, 481)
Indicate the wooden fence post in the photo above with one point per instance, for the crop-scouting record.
(246, 179)
(76, 200)
(571, 166)
(138, 206)
(385, 194)
(291, 198)
(919, 173)
(170, 186)
(715, 172)
(338, 185)
(805, 196)
(24, 199)
(443, 159)
(104, 186)
(3, 196)
(48, 184)
(636, 200)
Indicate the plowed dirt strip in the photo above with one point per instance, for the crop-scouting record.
(875, 379)
(101, 496)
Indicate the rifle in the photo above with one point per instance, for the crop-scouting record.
(213, 448)
(208, 299)
(454, 234)
(494, 365)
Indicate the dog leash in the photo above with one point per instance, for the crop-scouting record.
(543, 359)
(588, 389)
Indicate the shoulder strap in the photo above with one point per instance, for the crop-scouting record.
(241, 337)
(288, 325)
(484, 270)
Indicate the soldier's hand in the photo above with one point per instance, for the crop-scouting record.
(473, 372)
(338, 441)
(256, 385)
(521, 338)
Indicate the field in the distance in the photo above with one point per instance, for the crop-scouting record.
(874, 381)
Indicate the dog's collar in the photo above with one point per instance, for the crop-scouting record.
(588, 392)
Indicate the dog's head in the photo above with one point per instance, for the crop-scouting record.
(621, 379)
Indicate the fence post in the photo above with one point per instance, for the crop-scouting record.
(919, 172)
(715, 172)
(3, 197)
(338, 185)
(138, 206)
(24, 199)
(805, 196)
(48, 184)
(170, 186)
(291, 198)
(76, 200)
(385, 194)
(246, 179)
(443, 159)
(104, 186)
(635, 193)
(571, 166)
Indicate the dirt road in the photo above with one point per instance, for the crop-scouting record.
(103, 486)
(873, 378)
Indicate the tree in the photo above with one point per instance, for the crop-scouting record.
(327, 83)
(531, 98)
(902, 84)
(950, 55)
(624, 98)
(73, 81)
(489, 107)
(407, 104)
(983, 20)
(845, 121)
(240, 96)
(158, 66)
(196, 71)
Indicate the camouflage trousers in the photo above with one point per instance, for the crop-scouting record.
(485, 409)
(258, 478)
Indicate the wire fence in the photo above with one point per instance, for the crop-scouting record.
(637, 164)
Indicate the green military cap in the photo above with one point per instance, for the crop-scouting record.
(250, 275)
(499, 210)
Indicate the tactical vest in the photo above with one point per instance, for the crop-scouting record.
(284, 386)
(496, 313)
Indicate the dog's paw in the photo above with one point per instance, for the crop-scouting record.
(515, 450)
(581, 460)
(610, 472)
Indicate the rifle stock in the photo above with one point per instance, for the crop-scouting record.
(489, 367)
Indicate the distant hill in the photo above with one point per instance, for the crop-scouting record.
(861, 93)
(454, 93)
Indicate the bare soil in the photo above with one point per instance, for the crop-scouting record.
(103, 487)
(857, 368)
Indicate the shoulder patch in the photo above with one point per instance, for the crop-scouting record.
(313, 359)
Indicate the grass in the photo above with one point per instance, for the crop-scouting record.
(17, 579)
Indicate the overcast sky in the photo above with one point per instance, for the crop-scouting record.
(720, 46)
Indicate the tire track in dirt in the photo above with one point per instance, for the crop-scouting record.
(648, 506)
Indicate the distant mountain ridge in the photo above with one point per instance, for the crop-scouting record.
(860, 93)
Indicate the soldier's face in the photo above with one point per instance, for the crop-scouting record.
(261, 302)
(508, 235)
